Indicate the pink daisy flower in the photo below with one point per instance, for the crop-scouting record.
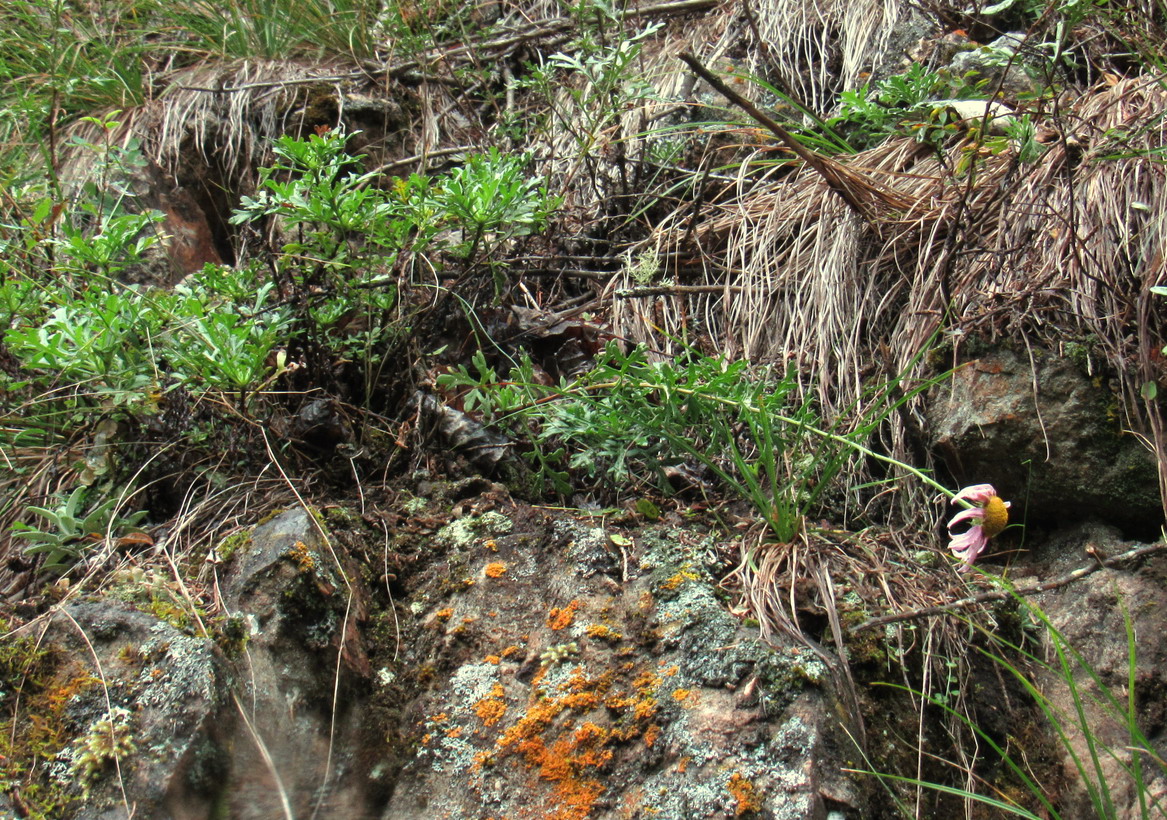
(990, 517)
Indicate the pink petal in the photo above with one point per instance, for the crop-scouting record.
(969, 546)
(966, 540)
(977, 494)
(964, 515)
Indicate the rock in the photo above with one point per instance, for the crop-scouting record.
(593, 675)
(276, 731)
(999, 63)
(534, 665)
(166, 681)
(1062, 457)
(1090, 616)
(301, 687)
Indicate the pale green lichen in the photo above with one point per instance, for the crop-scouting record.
(466, 531)
(414, 505)
(557, 654)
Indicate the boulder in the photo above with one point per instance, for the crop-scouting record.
(590, 673)
(1091, 617)
(1049, 438)
(163, 683)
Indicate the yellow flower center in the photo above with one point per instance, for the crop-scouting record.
(996, 516)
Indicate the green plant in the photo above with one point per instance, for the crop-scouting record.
(350, 234)
(630, 419)
(74, 527)
(98, 339)
(492, 196)
(583, 94)
(106, 742)
(277, 29)
(224, 344)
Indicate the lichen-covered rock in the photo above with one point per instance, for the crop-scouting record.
(160, 686)
(527, 665)
(1046, 437)
(588, 673)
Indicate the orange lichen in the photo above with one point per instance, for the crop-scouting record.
(680, 578)
(511, 650)
(565, 739)
(445, 614)
(568, 764)
(644, 708)
(492, 707)
(681, 695)
(579, 682)
(562, 617)
(745, 793)
(581, 701)
(651, 734)
(495, 659)
(590, 733)
(646, 682)
(603, 633)
(530, 725)
(300, 553)
(455, 732)
(672, 670)
(496, 570)
(491, 544)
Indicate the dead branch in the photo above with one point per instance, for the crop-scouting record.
(842, 180)
(674, 290)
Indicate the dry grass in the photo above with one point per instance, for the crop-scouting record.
(819, 587)
(823, 47)
(1063, 248)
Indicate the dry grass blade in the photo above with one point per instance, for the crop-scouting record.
(808, 37)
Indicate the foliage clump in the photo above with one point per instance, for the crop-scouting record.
(106, 743)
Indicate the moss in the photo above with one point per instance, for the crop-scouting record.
(270, 516)
(230, 545)
(342, 517)
(320, 519)
(232, 635)
(40, 686)
(169, 612)
(108, 742)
